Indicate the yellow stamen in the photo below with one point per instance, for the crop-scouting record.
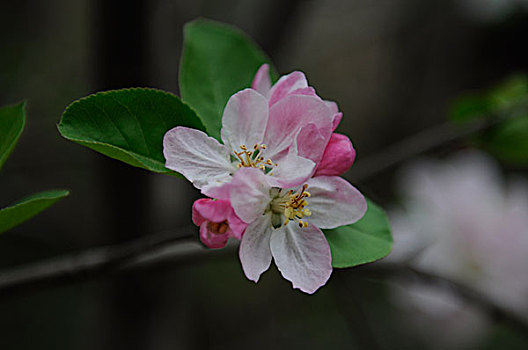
(294, 207)
(253, 158)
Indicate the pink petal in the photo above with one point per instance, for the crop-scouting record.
(212, 240)
(309, 91)
(244, 120)
(334, 202)
(336, 120)
(198, 157)
(338, 156)
(333, 106)
(337, 115)
(291, 171)
(236, 225)
(197, 218)
(254, 252)
(207, 212)
(262, 82)
(249, 194)
(210, 210)
(311, 142)
(291, 114)
(286, 85)
(302, 256)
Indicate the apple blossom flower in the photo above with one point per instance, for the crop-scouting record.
(254, 135)
(286, 224)
(274, 139)
(339, 153)
(460, 221)
(217, 222)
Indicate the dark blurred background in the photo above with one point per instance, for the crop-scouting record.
(393, 66)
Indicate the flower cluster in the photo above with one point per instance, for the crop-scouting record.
(274, 180)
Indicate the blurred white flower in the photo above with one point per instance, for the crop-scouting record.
(462, 222)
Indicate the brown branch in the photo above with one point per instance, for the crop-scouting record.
(417, 144)
(467, 293)
(168, 247)
(139, 253)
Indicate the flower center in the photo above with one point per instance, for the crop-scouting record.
(218, 228)
(253, 158)
(290, 205)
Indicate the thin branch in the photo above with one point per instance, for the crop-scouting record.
(417, 144)
(145, 251)
(168, 247)
(470, 295)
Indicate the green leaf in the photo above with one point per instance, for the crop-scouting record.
(28, 207)
(510, 94)
(12, 121)
(470, 107)
(217, 61)
(509, 97)
(127, 124)
(508, 140)
(365, 241)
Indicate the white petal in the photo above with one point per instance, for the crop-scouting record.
(198, 157)
(218, 189)
(302, 256)
(291, 171)
(254, 252)
(334, 202)
(249, 194)
(244, 120)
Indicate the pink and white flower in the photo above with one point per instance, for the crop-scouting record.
(254, 135)
(275, 138)
(217, 221)
(286, 224)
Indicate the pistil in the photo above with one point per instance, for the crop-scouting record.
(291, 205)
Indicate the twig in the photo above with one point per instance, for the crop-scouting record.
(168, 247)
(418, 144)
(145, 251)
(496, 311)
